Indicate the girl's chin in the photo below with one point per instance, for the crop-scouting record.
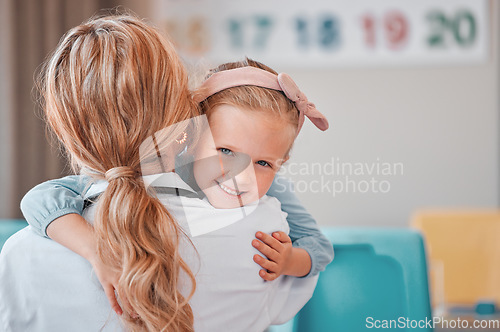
(221, 201)
(226, 201)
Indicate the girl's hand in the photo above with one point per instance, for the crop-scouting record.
(281, 257)
(109, 281)
(278, 251)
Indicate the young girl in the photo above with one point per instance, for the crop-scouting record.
(278, 250)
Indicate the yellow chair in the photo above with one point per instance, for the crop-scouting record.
(464, 255)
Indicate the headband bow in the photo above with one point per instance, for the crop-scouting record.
(258, 77)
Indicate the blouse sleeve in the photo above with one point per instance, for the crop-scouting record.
(304, 231)
(53, 199)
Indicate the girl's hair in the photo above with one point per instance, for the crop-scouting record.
(111, 83)
(254, 98)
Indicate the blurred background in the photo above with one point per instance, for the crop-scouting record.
(411, 90)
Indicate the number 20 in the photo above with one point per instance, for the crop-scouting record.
(462, 27)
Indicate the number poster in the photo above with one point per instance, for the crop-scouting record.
(329, 33)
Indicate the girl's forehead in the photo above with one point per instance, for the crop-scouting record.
(229, 113)
(251, 132)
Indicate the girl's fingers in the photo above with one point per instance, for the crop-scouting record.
(267, 275)
(267, 251)
(127, 305)
(266, 264)
(269, 240)
(282, 237)
(110, 294)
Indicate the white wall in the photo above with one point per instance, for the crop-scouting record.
(441, 123)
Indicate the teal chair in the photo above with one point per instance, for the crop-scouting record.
(378, 276)
(9, 227)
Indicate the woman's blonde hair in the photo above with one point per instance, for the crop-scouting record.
(254, 98)
(111, 83)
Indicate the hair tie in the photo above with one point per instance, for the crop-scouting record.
(249, 75)
(120, 172)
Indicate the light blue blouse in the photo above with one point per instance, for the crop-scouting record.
(56, 198)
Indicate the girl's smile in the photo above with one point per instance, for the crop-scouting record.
(229, 191)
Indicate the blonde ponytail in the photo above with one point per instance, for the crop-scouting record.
(111, 83)
(138, 236)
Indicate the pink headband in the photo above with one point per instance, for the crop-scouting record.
(258, 77)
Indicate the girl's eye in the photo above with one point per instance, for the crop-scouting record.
(263, 163)
(226, 151)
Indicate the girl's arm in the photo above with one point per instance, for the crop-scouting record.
(53, 209)
(304, 232)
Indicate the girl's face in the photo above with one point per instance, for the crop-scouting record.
(238, 166)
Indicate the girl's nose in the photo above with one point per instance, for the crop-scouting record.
(246, 179)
